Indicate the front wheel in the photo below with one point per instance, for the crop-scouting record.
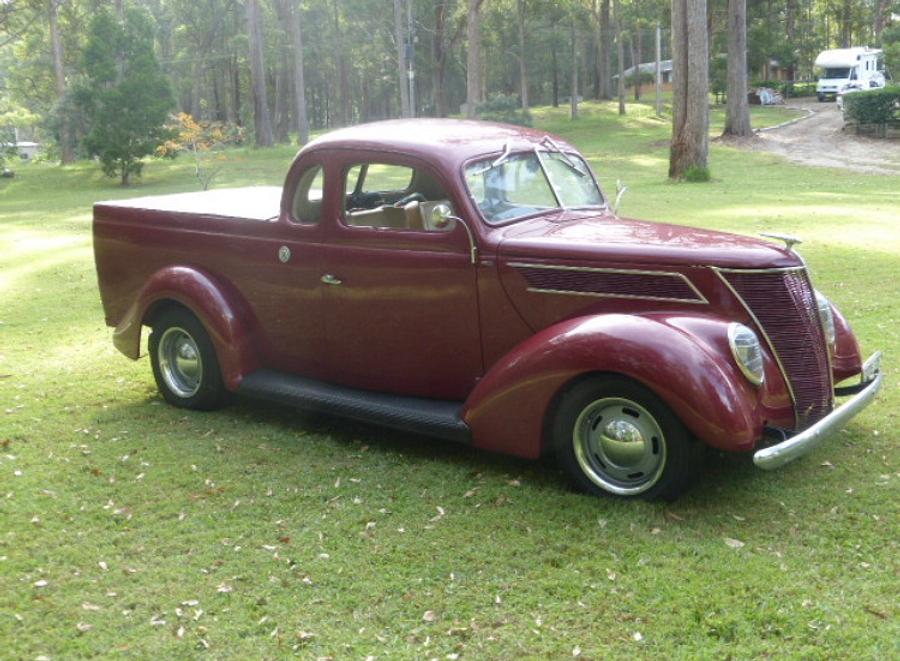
(615, 437)
(184, 361)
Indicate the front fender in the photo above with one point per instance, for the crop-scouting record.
(217, 304)
(684, 360)
(846, 361)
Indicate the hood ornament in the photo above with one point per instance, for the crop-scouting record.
(789, 241)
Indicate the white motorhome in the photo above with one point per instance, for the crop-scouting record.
(861, 67)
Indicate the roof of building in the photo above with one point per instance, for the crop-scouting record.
(648, 67)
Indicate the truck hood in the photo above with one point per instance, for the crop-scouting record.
(579, 236)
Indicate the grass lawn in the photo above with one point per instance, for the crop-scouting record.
(130, 528)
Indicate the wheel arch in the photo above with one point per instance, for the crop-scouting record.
(511, 409)
(217, 304)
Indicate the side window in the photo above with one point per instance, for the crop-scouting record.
(387, 196)
(307, 205)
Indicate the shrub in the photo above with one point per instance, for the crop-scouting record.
(203, 141)
(503, 108)
(878, 106)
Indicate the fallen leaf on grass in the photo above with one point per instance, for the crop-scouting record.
(733, 543)
(224, 587)
(90, 607)
(875, 612)
(40, 584)
(429, 616)
(83, 627)
(103, 565)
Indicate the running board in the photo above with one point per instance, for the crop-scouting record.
(411, 414)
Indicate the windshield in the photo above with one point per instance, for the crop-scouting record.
(529, 183)
(832, 73)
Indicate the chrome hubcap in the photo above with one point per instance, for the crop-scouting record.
(179, 362)
(619, 446)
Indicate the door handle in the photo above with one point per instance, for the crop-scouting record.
(329, 279)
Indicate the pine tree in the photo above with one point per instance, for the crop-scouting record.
(124, 97)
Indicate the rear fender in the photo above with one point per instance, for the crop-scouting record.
(684, 360)
(218, 305)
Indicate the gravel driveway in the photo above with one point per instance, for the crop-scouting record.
(819, 140)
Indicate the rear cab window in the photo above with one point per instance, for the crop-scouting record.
(306, 207)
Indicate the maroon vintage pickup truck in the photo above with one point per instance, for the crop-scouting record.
(469, 281)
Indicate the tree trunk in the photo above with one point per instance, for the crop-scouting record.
(605, 65)
(282, 97)
(196, 77)
(236, 91)
(400, 38)
(300, 116)
(637, 56)
(555, 75)
(261, 119)
(473, 64)
(573, 100)
(790, 23)
(657, 79)
(846, 18)
(880, 11)
(66, 153)
(690, 93)
(737, 111)
(620, 57)
(440, 61)
(343, 100)
(523, 71)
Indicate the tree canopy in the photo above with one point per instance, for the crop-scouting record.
(123, 97)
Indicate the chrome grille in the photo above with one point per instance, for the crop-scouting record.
(784, 304)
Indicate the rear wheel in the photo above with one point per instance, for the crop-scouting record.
(615, 437)
(184, 361)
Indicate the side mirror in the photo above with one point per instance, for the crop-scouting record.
(442, 216)
(621, 189)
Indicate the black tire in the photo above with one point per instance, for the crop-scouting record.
(820, 97)
(184, 361)
(652, 456)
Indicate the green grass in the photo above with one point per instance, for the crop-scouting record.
(307, 536)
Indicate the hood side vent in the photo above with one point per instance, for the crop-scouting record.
(609, 283)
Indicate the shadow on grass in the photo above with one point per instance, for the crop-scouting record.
(299, 434)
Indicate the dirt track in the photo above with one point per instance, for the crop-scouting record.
(818, 140)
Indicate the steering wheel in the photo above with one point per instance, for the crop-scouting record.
(412, 197)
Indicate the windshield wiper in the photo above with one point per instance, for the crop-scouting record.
(547, 140)
(502, 158)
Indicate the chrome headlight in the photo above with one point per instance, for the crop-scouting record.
(827, 317)
(747, 352)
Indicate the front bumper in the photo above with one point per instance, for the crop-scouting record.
(778, 455)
